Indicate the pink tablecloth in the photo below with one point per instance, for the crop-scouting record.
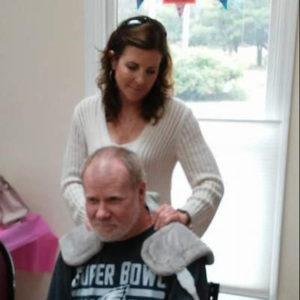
(31, 243)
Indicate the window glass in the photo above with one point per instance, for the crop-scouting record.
(220, 56)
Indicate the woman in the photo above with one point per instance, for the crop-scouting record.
(137, 111)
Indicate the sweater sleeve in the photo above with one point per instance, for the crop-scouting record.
(75, 154)
(202, 173)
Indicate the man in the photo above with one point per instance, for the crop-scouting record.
(129, 261)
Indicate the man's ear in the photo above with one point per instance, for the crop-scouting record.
(142, 192)
(113, 59)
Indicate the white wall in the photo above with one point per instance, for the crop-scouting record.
(41, 79)
(289, 261)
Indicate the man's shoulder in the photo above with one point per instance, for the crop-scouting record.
(80, 245)
(172, 248)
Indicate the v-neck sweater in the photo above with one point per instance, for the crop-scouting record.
(176, 137)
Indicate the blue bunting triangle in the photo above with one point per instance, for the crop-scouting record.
(224, 2)
(139, 3)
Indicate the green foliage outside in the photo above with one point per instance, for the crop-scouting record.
(170, 19)
(244, 23)
(199, 76)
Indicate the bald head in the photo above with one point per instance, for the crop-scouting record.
(105, 158)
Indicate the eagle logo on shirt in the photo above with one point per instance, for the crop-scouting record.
(118, 293)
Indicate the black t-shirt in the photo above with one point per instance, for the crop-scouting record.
(117, 272)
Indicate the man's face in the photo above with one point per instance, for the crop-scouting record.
(113, 204)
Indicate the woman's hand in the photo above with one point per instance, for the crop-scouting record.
(166, 214)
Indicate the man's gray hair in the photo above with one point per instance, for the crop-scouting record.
(129, 159)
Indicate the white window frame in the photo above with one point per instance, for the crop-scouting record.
(101, 19)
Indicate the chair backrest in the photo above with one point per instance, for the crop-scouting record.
(213, 290)
(206, 290)
(7, 274)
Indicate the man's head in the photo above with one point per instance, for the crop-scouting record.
(114, 185)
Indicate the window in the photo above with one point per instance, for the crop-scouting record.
(228, 46)
(244, 120)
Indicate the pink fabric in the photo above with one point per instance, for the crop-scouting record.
(31, 243)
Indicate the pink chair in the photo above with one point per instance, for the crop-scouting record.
(7, 274)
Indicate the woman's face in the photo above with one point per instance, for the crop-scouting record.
(135, 73)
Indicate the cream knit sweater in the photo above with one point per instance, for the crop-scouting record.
(176, 137)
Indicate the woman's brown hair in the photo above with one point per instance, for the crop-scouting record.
(145, 33)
